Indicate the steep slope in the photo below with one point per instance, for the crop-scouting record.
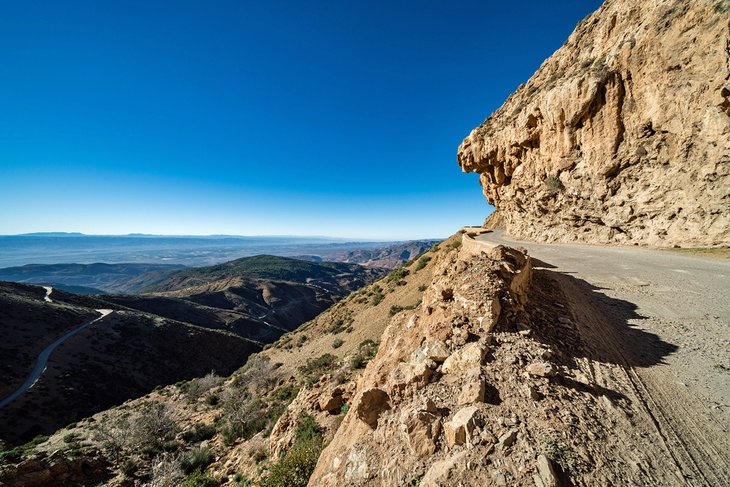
(210, 319)
(257, 297)
(238, 414)
(622, 135)
(122, 356)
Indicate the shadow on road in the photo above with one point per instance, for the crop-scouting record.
(578, 319)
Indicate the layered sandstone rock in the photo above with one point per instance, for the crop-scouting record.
(622, 136)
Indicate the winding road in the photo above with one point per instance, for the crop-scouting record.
(657, 324)
(43, 357)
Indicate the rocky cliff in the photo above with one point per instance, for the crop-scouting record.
(622, 135)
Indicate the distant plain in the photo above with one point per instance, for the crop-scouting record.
(191, 251)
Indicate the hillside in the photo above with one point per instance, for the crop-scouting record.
(622, 136)
(214, 318)
(122, 356)
(486, 360)
(389, 257)
(95, 278)
(342, 338)
(270, 268)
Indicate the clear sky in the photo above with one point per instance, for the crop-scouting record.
(337, 118)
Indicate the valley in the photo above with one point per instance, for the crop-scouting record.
(213, 317)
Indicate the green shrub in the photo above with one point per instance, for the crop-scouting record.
(315, 367)
(422, 287)
(244, 429)
(285, 393)
(212, 399)
(554, 184)
(12, 456)
(337, 327)
(200, 432)
(16, 454)
(395, 309)
(414, 482)
(129, 467)
(365, 352)
(337, 343)
(242, 481)
(71, 437)
(397, 275)
(307, 429)
(297, 465)
(455, 244)
(197, 459)
(200, 479)
(376, 299)
(560, 453)
(422, 262)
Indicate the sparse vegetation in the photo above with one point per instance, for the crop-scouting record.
(337, 343)
(153, 428)
(414, 482)
(365, 352)
(199, 432)
(314, 368)
(129, 467)
(285, 393)
(560, 453)
(166, 471)
(71, 437)
(196, 388)
(455, 244)
(422, 262)
(196, 459)
(397, 308)
(553, 184)
(200, 479)
(297, 465)
(422, 287)
(16, 454)
(397, 275)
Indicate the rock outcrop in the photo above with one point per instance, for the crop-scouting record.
(56, 469)
(621, 136)
(424, 399)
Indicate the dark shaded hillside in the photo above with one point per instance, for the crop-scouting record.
(270, 268)
(28, 324)
(122, 356)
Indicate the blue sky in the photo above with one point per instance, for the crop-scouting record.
(240, 117)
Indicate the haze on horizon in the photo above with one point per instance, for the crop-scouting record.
(249, 118)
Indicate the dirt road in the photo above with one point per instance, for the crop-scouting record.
(658, 328)
(43, 357)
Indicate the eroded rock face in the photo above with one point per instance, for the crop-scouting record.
(57, 470)
(421, 399)
(622, 136)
